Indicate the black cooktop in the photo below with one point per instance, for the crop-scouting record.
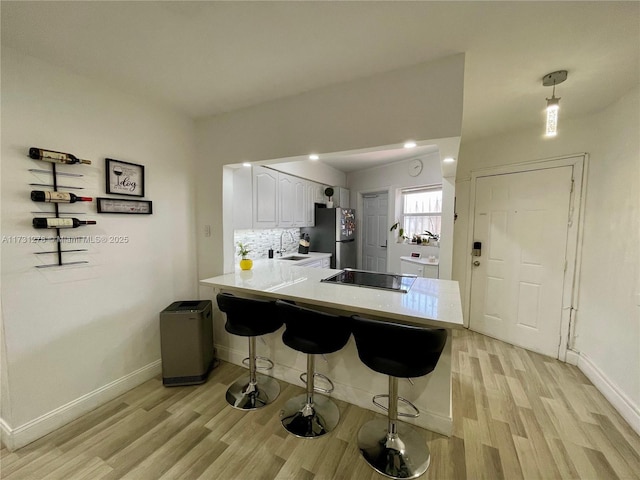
(362, 278)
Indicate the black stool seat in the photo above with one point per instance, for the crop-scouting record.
(250, 317)
(395, 349)
(312, 332)
(390, 447)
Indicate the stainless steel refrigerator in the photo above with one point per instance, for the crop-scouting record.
(334, 233)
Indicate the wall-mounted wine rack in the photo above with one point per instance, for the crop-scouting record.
(58, 239)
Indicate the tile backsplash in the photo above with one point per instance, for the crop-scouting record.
(260, 241)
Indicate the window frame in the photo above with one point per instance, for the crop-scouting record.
(419, 189)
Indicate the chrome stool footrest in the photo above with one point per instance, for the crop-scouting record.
(303, 378)
(400, 399)
(267, 361)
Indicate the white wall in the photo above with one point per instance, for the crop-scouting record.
(77, 335)
(607, 320)
(420, 102)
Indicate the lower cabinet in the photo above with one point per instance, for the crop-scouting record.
(320, 263)
(419, 269)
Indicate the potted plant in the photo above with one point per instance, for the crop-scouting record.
(401, 237)
(329, 193)
(243, 251)
(433, 238)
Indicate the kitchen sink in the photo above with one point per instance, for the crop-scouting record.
(294, 258)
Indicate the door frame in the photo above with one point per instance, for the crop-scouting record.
(573, 255)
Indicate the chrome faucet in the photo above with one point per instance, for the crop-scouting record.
(281, 251)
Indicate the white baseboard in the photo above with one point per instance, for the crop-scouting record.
(572, 357)
(14, 438)
(617, 398)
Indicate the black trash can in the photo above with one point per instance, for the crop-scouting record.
(186, 342)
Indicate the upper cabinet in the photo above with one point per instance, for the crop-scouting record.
(301, 202)
(265, 197)
(286, 199)
(319, 196)
(309, 212)
(279, 200)
(340, 197)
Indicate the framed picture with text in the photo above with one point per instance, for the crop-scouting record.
(124, 205)
(124, 178)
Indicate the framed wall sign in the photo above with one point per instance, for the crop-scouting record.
(123, 205)
(124, 178)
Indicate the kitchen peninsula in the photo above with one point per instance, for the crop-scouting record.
(429, 303)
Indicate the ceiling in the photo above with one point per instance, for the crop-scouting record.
(203, 58)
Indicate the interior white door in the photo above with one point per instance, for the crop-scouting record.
(521, 219)
(374, 241)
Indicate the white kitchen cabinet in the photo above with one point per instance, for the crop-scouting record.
(301, 201)
(286, 199)
(319, 263)
(419, 268)
(314, 260)
(309, 211)
(280, 200)
(340, 197)
(316, 264)
(320, 197)
(265, 197)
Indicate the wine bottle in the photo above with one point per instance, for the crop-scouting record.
(55, 157)
(57, 197)
(60, 222)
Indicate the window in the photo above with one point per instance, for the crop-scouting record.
(422, 210)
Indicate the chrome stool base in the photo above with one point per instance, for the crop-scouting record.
(309, 420)
(403, 455)
(246, 396)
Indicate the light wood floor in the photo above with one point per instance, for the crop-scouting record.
(517, 415)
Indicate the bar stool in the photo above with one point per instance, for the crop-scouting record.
(393, 448)
(248, 317)
(311, 332)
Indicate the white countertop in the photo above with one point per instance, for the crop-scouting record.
(429, 302)
(421, 261)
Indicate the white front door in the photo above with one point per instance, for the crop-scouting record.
(374, 240)
(521, 220)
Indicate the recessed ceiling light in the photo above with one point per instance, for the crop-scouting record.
(449, 160)
(246, 164)
(409, 144)
(314, 156)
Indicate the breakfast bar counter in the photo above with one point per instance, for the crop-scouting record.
(429, 303)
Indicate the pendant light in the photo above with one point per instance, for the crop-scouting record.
(553, 103)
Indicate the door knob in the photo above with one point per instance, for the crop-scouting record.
(476, 263)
